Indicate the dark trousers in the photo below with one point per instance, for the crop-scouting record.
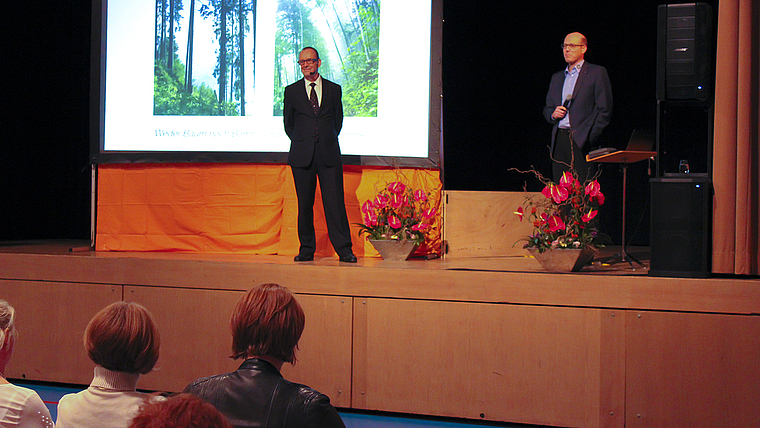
(331, 184)
(567, 153)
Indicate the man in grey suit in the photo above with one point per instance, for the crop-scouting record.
(313, 117)
(579, 107)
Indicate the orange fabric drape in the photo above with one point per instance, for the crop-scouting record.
(736, 164)
(228, 208)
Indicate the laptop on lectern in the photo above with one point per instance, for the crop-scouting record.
(640, 141)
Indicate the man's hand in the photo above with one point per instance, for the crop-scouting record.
(559, 113)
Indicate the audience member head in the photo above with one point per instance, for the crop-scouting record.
(8, 333)
(267, 321)
(179, 411)
(123, 337)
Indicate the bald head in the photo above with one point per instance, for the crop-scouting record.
(574, 48)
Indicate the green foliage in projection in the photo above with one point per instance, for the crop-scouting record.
(349, 49)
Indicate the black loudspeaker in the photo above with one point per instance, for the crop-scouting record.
(680, 226)
(685, 52)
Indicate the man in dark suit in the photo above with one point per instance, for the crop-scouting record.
(313, 116)
(579, 106)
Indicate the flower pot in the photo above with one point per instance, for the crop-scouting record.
(564, 259)
(394, 250)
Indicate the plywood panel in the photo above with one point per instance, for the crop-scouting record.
(196, 339)
(692, 370)
(481, 224)
(324, 355)
(51, 318)
(195, 334)
(524, 364)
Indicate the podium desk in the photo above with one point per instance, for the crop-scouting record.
(624, 158)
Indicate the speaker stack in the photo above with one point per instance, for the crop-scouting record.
(681, 223)
(680, 238)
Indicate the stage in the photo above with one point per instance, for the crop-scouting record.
(482, 338)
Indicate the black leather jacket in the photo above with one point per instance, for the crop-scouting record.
(256, 395)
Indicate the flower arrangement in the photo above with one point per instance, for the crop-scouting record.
(562, 217)
(398, 213)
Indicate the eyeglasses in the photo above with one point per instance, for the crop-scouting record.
(307, 61)
(570, 45)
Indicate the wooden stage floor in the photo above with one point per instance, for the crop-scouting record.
(525, 264)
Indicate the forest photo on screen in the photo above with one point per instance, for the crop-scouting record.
(205, 62)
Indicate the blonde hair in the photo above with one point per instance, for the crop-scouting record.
(123, 337)
(7, 324)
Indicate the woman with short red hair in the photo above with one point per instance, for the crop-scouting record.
(123, 341)
(266, 325)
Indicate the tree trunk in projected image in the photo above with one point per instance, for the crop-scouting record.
(189, 56)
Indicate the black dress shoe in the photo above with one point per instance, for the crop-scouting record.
(348, 258)
(303, 258)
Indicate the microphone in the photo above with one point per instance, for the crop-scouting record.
(567, 100)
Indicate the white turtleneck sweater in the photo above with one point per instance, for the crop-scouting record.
(111, 401)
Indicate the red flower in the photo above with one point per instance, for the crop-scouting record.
(370, 219)
(600, 198)
(547, 192)
(567, 181)
(593, 188)
(397, 187)
(556, 224)
(559, 194)
(380, 201)
(420, 195)
(588, 216)
(429, 213)
(420, 226)
(368, 207)
(396, 201)
(520, 213)
(394, 222)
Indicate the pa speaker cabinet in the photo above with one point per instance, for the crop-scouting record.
(685, 52)
(680, 226)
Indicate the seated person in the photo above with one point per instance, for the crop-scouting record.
(266, 325)
(19, 406)
(123, 340)
(179, 411)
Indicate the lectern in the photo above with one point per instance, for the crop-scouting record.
(624, 158)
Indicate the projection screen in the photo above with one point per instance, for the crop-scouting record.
(203, 80)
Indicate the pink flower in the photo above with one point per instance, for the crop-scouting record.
(380, 201)
(556, 224)
(588, 216)
(559, 194)
(547, 192)
(394, 222)
(420, 195)
(429, 213)
(397, 187)
(420, 226)
(368, 207)
(520, 213)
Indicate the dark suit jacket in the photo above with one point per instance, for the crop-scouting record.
(591, 107)
(301, 123)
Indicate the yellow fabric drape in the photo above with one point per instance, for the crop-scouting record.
(229, 208)
(736, 164)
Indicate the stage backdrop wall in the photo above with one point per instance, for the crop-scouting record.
(231, 208)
